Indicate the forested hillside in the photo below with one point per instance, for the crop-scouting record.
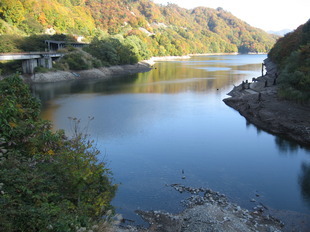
(292, 55)
(164, 30)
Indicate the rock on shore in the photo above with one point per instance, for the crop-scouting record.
(259, 103)
(207, 210)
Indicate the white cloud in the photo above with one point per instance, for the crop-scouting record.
(264, 14)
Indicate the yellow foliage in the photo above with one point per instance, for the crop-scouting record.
(12, 10)
(51, 152)
(13, 124)
(42, 18)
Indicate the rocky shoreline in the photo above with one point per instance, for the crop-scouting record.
(102, 73)
(210, 211)
(259, 103)
(97, 73)
(207, 210)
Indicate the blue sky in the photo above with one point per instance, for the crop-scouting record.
(265, 14)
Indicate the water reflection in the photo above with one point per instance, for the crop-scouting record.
(153, 125)
(286, 146)
(249, 125)
(172, 77)
(180, 76)
(304, 181)
(49, 91)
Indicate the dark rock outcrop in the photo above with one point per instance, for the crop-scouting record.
(259, 103)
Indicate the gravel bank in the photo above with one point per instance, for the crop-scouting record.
(206, 211)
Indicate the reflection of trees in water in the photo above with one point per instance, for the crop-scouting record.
(49, 91)
(286, 146)
(304, 181)
(168, 77)
(179, 76)
(249, 124)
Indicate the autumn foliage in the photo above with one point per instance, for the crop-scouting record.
(48, 182)
(164, 30)
(292, 55)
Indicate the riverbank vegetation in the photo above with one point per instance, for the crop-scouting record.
(48, 182)
(292, 55)
(162, 30)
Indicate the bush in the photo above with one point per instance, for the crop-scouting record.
(295, 76)
(104, 50)
(118, 50)
(9, 43)
(9, 67)
(40, 69)
(78, 60)
(292, 55)
(47, 182)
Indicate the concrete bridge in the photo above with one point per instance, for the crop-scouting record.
(30, 60)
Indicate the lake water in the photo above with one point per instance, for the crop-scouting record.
(151, 126)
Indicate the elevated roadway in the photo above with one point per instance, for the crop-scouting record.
(31, 60)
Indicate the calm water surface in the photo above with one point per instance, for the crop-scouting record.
(151, 126)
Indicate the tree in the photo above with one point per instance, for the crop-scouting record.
(292, 55)
(12, 11)
(48, 182)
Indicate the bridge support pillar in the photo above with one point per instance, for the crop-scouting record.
(29, 65)
(45, 62)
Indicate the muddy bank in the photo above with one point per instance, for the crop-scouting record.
(105, 72)
(258, 102)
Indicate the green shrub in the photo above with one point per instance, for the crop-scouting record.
(9, 43)
(295, 76)
(104, 50)
(40, 69)
(118, 50)
(9, 67)
(48, 182)
(292, 55)
(78, 60)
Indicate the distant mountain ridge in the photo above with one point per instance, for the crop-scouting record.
(167, 30)
(281, 32)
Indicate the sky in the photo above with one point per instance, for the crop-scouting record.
(269, 15)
